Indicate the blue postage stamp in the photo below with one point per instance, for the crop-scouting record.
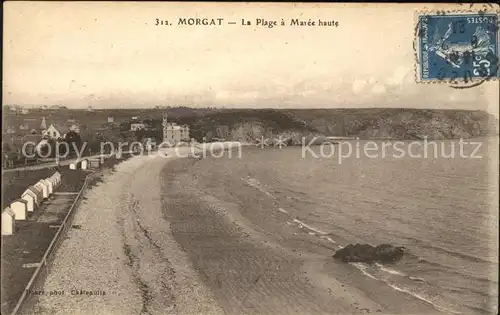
(457, 47)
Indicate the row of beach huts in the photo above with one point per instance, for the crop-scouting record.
(33, 197)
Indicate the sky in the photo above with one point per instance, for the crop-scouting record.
(111, 55)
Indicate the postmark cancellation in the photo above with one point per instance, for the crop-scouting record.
(457, 47)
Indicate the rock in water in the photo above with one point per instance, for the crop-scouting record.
(387, 253)
(356, 253)
(365, 253)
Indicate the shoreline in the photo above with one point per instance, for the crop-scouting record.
(269, 203)
(334, 277)
(158, 235)
(124, 251)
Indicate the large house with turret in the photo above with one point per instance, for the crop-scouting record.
(173, 133)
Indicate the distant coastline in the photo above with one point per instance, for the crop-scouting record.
(248, 125)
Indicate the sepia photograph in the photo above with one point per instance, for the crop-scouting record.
(250, 158)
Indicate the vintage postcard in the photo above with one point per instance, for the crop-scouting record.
(250, 158)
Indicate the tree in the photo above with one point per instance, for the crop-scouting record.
(74, 140)
(5, 147)
(125, 126)
(140, 134)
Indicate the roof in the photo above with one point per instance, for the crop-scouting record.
(177, 127)
(58, 127)
(19, 200)
(8, 211)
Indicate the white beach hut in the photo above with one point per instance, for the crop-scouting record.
(95, 163)
(53, 184)
(84, 164)
(44, 187)
(75, 165)
(36, 192)
(20, 209)
(8, 222)
(55, 181)
(49, 184)
(29, 197)
(57, 176)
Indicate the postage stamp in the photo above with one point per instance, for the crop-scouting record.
(457, 47)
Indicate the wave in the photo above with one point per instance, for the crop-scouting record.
(329, 239)
(282, 210)
(451, 252)
(460, 255)
(390, 270)
(444, 268)
(364, 269)
(256, 184)
(309, 227)
(464, 290)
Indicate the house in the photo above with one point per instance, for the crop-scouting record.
(24, 127)
(150, 144)
(111, 119)
(25, 111)
(173, 133)
(53, 132)
(10, 130)
(28, 125)
(137, 126)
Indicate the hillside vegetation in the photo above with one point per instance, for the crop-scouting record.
(363, 123)
(394, 123)
(251, 124)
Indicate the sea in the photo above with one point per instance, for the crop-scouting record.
(438, 199)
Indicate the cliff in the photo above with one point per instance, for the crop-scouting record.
(369, 123)
(393, 123)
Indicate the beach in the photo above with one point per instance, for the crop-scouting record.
(170, 235)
